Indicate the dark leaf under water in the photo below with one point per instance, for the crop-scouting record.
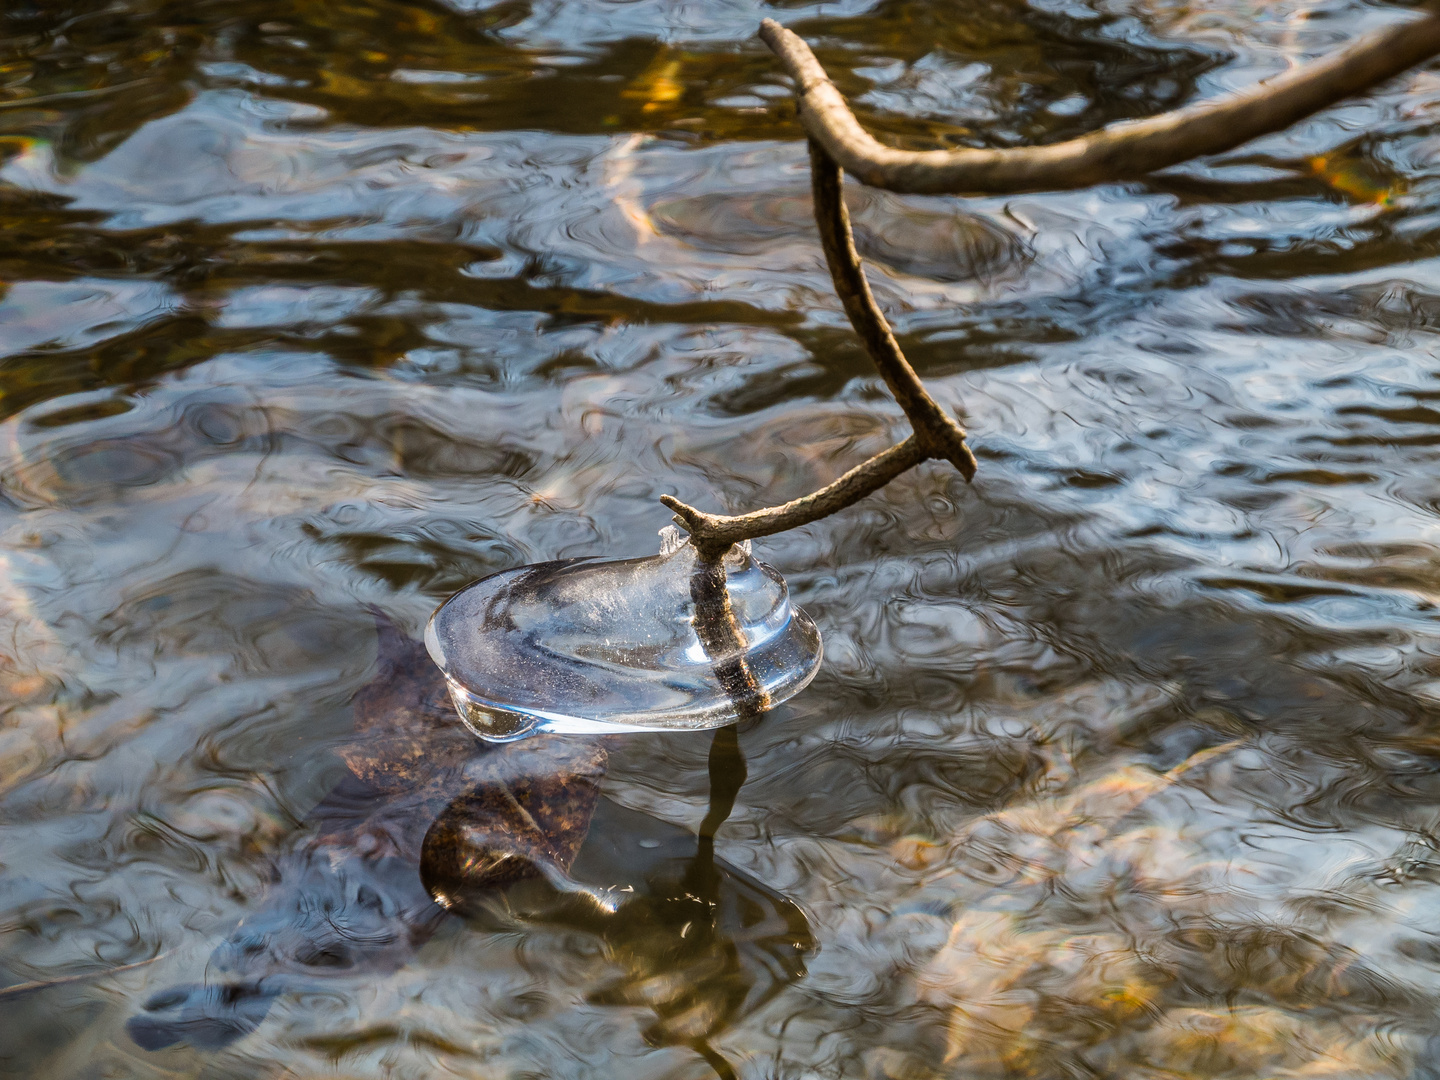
(428, 820)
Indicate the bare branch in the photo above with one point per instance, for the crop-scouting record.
(1124, 150)
(1121, 151)
(20, 989)
(938, 433)
(713, 534)
(721, 637)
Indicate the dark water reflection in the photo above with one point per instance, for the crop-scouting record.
(1122, 761)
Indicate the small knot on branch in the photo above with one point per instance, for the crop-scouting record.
(943, 438)
(706, 530)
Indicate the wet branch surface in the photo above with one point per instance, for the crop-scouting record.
(722, 638)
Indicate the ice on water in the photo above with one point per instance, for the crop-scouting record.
(590, 645)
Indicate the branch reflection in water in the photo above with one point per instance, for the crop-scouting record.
(699, 942)
(429, 821)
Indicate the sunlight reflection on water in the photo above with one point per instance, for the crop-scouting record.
(1121, 761)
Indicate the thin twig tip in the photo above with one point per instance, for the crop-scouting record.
(686, 516)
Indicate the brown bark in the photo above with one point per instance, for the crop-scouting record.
(712, 534)
(1119, 152)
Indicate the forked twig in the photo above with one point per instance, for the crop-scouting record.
(1119, 152)
(936, 434)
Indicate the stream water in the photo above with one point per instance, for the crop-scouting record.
(1123, 761)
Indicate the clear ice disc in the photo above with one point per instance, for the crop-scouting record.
(592, 645)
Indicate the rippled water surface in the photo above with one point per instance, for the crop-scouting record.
(1122, 761)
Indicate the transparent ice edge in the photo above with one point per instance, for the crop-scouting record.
(497, 723)
(586, 646)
